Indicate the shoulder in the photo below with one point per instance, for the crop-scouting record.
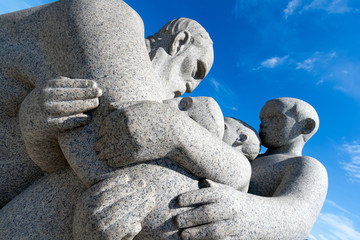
(308, 168)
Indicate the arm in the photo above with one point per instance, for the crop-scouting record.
(54, 108)
(150, 130)
(289, 214)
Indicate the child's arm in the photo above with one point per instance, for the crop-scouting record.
(151, 130)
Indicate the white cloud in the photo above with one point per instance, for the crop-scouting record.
(222, 88)
(291, 7)
(330, 6)
(312, 237)
(335, 205)
(215, 84)
(339, 227)
(352, 167)
(273, 62)
(310, 63)
(223, 94)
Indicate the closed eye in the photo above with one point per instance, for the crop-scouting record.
(200, 70)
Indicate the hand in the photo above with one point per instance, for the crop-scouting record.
(217, 217)
(60, 104)
(48, 110)
(113, 209)
(143, 131)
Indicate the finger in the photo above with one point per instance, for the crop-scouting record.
(105, 199)
(212, 231)
(124, 159)
(121, 105)
(71, 122)
(209, 183)
(109, 183)
(204, 214)
(64, 82)
(67, 108)
(130, 208)
(68, 94)
(200, 196)
(122, 231)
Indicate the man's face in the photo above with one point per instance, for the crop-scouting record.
(188, 67)
(276, 128)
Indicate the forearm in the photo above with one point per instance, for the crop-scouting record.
(207, 156)
(274, 218)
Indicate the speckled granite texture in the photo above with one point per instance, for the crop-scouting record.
(89, 102)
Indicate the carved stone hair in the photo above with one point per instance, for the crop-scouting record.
(300, 110)
(165, 35)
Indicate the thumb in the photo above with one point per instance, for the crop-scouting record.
(209, 183)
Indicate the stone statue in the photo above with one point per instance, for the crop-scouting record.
(93, 53)
(155, 198)
(287, 190)
(96, 107)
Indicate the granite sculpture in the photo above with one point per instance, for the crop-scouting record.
(119, 145)
(287, 190)
(83, 46)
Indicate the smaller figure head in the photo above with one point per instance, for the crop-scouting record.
(182, 54)
(203, 110)
(242, 137)
(286, 121)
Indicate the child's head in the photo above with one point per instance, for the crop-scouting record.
(283, 120)
(242, 137)
(203, 110)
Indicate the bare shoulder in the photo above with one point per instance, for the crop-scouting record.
(309, 174)
(308, 163)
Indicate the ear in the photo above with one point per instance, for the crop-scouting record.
(179, 42)
(308, 126)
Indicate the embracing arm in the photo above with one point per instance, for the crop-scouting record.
(207, 156)
(150, 130)
(227, 213)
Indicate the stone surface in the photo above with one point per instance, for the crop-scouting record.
(89, 101)
(287, 190)
(72, 38)
(242, 136)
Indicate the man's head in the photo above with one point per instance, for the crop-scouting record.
(242, 137)
(182, 54)
(287, 120)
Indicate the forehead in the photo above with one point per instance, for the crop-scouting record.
(234, 124)
(205, 48)
(274, 107)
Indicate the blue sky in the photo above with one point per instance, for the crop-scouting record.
(264, 49)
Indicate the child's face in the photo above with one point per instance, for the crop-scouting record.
(276, 128)
(242, 138)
